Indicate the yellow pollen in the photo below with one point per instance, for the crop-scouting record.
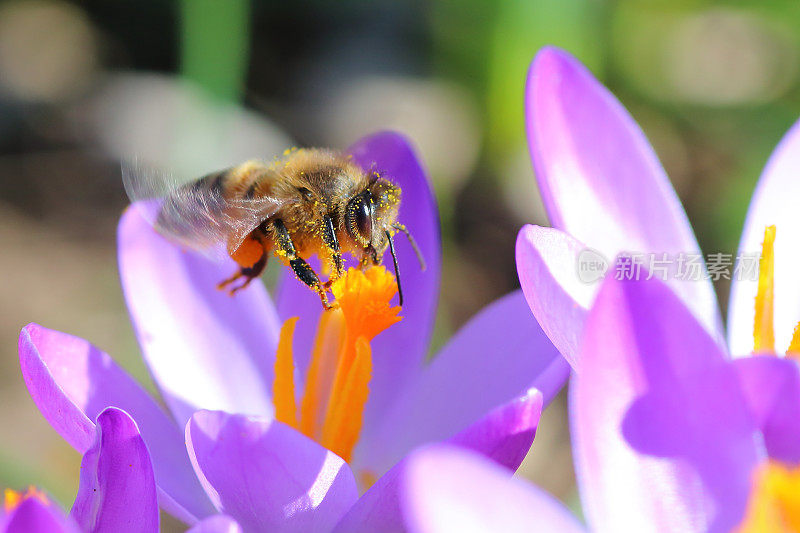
(13, 498)
(774, 503)
(337, 380)
(764, 323)
(763, 328)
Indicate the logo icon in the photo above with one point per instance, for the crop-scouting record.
(592, 266)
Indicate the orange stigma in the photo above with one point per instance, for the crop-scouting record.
(14, 498)
(764, 322)
(337, 380)
(774, 503)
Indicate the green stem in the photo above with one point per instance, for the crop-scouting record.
(215, 38)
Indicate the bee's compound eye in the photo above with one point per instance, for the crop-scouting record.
(359, 218)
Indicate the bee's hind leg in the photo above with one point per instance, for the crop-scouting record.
(248, 273)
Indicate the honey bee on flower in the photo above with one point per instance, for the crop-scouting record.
(308, 202)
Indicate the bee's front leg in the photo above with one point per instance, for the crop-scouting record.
(334, 252)
(301, 268)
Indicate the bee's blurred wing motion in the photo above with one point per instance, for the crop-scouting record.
(195, 213)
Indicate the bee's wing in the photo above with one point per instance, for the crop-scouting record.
(194, 213)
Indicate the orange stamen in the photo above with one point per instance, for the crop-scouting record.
(338, 376)
(367, 478)
(794, 346)
(12, 498)
(283, 386)
(774, 503)
(763, 328)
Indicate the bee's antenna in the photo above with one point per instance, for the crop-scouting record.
(411, 240)
(396, 269)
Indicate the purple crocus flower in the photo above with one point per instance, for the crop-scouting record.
(213, 359)
(666, 429)
(661, 431)
(604, 188)
(117, 490)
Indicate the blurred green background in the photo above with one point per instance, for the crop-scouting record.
(201, 84)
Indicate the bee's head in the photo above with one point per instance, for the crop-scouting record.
(371, 219)
(372, 213)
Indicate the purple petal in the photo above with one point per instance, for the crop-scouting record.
(662, 437)
(772, 388)
(117, 492)
(267, 476)
(505, 434)
(547, 260)
(204, 348)
(446, 488)
(72, 382)
(599, 177)
(34, 516)
(774, 203)
(377, 509)
(498, 356)
(217, 524)
(400, 351)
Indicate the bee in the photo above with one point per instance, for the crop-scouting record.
(308, 202)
